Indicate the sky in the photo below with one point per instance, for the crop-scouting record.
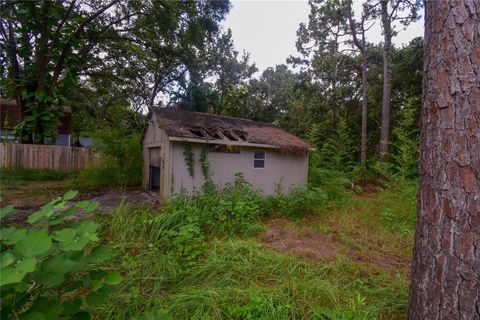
(267, 29)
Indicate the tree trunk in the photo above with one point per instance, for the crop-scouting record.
(387, 75)
(334, 107)
(363, 144)
(446, 258)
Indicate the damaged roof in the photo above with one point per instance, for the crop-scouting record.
(207, 126)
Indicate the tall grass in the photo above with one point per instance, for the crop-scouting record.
(12, 175)
(193, 260)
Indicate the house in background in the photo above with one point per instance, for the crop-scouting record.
(11, 116)
(267, 156)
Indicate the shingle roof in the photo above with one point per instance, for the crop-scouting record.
(206, 126)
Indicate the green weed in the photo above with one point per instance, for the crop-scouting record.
(19, 175)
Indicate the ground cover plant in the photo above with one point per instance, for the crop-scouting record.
(50, 268)
(328, 251)
(30, 189)
(207, 257)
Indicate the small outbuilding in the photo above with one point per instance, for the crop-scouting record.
(181, 149)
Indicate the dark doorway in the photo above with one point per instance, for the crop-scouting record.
(154, 168)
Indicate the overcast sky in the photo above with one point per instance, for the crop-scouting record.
(267, 29)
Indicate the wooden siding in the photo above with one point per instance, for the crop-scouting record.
(58, 158)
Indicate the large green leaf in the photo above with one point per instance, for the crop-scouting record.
(97, 274)
(6, 211)
(62, 216)
(113, 278)
(82, 204)
(36, 216)
(91, 206)
(11, 235)
(33, 316)
(84, 234)
(54, 270)
(35, 243)
(71, 307)
(50, 309)
(101, 253)
(15, 273)
(70, 195)
(98, 297)
(67, 234)
(6, 259)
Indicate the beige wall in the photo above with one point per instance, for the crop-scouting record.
(288, 169)
(156, 137)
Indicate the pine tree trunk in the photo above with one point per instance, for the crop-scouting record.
(387, 75)
(363, 143)
(446, 259)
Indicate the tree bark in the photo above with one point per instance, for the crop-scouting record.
(363, 143)
(387, 75)
(446, 258)
(362, 47)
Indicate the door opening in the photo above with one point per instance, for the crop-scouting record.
(154, 168)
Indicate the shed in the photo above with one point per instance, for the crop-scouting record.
(176, 141)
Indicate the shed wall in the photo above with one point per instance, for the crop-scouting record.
(285, 169)
(157, 137)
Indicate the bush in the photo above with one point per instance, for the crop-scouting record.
(300, 202)
(121, 163)
(51, 259)
(186, 221)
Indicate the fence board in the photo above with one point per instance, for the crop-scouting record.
(58, 158)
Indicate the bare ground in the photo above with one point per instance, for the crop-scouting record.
(301, 240)
(29, 198)
(314, 246)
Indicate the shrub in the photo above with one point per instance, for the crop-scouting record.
(300, 202)
(121, 163)
(186, 221)
(51, 259)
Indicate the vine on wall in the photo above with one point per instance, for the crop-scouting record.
(205, 165)
(189, 159)
(206, 171)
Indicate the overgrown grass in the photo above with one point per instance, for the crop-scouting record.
(21, 175)
(196, 260)
(29, 188)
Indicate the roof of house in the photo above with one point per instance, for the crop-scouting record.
(206, 126)
(11, 116)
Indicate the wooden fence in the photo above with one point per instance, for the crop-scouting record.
(58, 158)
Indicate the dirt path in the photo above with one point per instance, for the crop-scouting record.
(285, 237)
(108, 199)
(303, 241)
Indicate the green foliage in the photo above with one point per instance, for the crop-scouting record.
(334, 183)
(51, 259)
(338, 150)
(405, 143)
(354, 311)
(187, 221)
(299, 203)
(121, 162)
(121, 50)
(22, 174)
(258, 307)
(209, 185)
(189, 157)
(399, 215)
